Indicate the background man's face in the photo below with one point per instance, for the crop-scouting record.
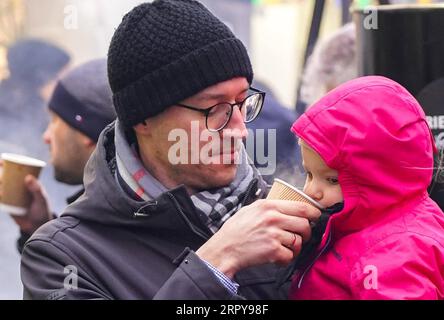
(68, 153)
(199, 176)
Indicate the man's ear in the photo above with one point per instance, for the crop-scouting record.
(82, 139)
(86, 141)
(142, 128)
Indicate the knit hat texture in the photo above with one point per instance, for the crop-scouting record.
(166, 51)
(83, 99)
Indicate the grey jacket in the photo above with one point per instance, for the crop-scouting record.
(108, 246)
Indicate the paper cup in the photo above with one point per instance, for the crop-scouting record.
(15, 198)
(281, 190)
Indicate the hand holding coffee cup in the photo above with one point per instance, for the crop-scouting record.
(15, 196)
(281, 190)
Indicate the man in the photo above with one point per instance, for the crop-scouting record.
(34, 67)
(149, 226)
(80, 108)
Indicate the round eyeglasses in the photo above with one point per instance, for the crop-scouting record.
(218, 116)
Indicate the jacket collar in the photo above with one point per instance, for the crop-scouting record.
(75, 196)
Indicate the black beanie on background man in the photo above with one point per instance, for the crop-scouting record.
(83, 99)
(166, 51)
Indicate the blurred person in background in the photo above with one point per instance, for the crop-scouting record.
(275, 116)
(79, 108)
(332, 63)
(34, 66)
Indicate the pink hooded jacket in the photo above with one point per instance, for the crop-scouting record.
(388, 241)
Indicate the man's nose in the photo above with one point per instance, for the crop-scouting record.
(46, 136)
(236, 126)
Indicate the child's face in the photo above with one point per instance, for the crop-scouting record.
(322, 182)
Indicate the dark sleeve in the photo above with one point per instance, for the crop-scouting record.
(22, 240)
(24, 236)
(49, 273)
(193, 280)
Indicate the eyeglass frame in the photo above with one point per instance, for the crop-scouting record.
(207, 111)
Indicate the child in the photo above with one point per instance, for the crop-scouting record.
(367, 144)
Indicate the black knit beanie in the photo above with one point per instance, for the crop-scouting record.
(83, 99)
(166, 51)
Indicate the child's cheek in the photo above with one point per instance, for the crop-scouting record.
(333, 196)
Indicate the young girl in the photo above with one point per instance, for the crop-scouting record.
(367, 145)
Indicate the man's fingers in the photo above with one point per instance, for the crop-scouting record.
(291, 247)
(33, 185)
(292, 241)
(296, 225)
(294, 208)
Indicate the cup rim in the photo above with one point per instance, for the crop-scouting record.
(312, 201)
(24, 160)
(14, 210)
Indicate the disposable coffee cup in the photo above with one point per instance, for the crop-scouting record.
(15, 198)
(281, 190)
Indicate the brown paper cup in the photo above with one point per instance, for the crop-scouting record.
(15, 198)
(281, 190)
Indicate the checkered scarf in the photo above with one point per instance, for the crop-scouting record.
(213, 206)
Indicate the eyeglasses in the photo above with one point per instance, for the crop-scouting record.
(218, 116)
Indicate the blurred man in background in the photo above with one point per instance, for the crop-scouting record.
(80, 108)
(33, 67)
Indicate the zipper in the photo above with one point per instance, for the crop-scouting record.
(138, 213)
(314, 260)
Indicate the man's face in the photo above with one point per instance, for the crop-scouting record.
(68, 152)
(206, 166)
(322, 182)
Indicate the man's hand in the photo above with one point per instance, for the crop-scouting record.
(38, 212)
(267, 231)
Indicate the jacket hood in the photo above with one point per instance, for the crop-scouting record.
(375, 134)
